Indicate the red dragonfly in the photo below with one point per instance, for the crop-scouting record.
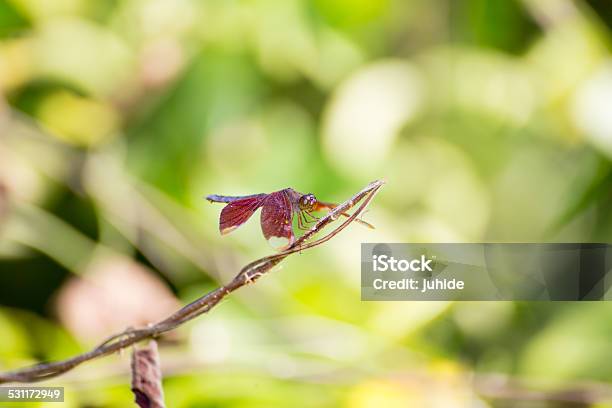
(278, 210)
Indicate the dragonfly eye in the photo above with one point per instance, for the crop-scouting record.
(307, 202)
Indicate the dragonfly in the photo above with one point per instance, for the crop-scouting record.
(277, 212)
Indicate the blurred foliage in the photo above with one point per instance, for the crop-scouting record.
(490, 120)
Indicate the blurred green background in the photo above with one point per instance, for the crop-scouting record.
(490, 120)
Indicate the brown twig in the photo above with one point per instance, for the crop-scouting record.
(249, 274)
(147, 377)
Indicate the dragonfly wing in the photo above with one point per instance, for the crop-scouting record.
(277, 220)
(238, 212)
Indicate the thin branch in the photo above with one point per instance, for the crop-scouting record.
(147, 377)
(249, 274)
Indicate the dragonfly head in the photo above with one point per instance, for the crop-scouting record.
(307, 202)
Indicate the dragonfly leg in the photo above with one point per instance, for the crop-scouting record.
(312, 217)
(310, 220)
(300, 221)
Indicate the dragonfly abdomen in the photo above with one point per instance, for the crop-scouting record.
(214, 198)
